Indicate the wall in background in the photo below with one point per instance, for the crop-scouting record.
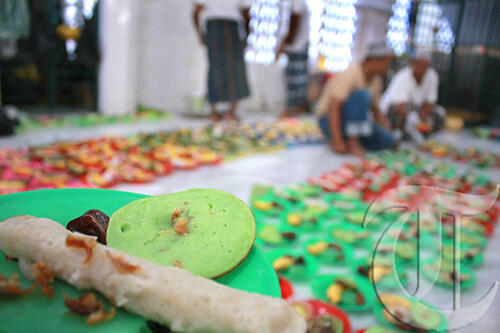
(119, 33)
(171, 59)
(171, 63)
(371, 24)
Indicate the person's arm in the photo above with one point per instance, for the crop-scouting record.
(334, 122)
(292, 33)
(379, 117)
(245, 13)
(196, 20)
(401, 108)
(397, 94)
(377, 114)
(433, 87)
(425, 110)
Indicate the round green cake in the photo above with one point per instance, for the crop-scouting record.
(206, 232)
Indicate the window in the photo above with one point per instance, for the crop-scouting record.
(336, 36)
(74, 13)
(445, 39)
(397, 28)
(433, 31)
(264, 25)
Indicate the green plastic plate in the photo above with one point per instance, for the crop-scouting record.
(321, 283)
(338, 232)
(464, 269)
(306, 226)
(378, 310)
(297, 275)
(36, 313)
(327, 258)
(475, 261)
(387, 282)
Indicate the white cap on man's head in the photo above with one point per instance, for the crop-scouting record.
(378, 50)
(422, 54)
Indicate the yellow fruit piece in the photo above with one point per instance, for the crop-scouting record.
(283, 263)
(317, 248)
(294, 219)
(263, 205)
(379, 272)
(392, 299)
(334, 293)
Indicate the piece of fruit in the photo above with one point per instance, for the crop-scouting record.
(425, 317)
(283, 263)
(270, 234)
(405, 250)
(344, 235)
(263, 205)
(378, 272)
(334, 293)
(294, 219)
(317, 248)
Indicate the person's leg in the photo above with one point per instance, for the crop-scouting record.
(355, 120)
(413, 119)
(227, 80)
(437, 116)
(301, 110)
(216, 84)
(325, 127)
(395, 120)
(380, 139)
(296, 82)
(214, 115)
(231, 113)
(287, 113)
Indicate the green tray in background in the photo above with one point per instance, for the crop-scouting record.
(326, 259)
(310, 269)
(321, 283)
(464, 269)
(387, 282)
(379, 308)
(36, 313)
(352, 230)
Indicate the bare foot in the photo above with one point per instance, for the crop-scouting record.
(214, 117)
(231, 116)
(301, 111)
(355, 148)
(286, 114)
(339, 147)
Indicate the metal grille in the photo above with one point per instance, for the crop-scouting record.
(48, 72)
(464, 36)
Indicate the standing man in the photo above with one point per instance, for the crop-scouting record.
(410, 99)
(295, 45)
(227, 78)
(344, 105)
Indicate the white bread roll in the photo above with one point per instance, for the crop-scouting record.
(168, 295)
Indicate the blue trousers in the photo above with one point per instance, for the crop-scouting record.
(355, 123)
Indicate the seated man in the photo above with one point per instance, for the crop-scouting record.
(344, 105)
(410, 99)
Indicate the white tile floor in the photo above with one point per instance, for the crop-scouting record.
(280, 169)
